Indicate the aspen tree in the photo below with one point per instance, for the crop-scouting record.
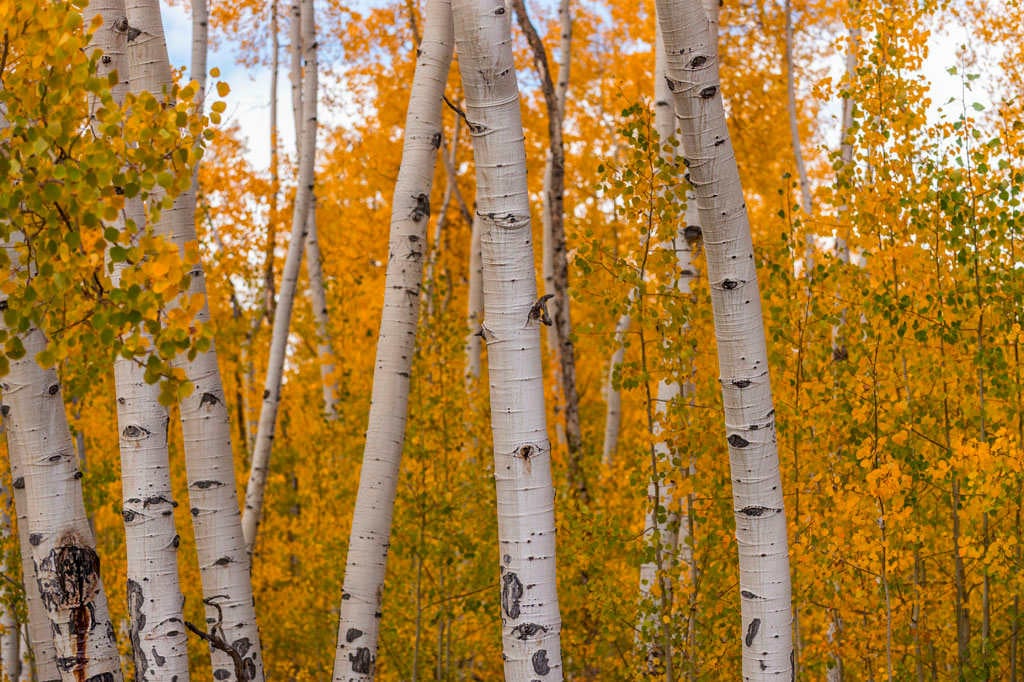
(157, 625)
(10, 632)
(794, 126)
(554, 231)
(475, 312)
(531, 625)
(256, 487)
(385, 434)
(223, 560)
(692, 68)
(63, 548)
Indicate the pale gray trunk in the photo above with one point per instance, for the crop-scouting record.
(794, 122)
(613, 394)
(314, 261)
(765, 589)
(358, 628)
(10, 632)
(200, 43)
(157, 630)
(254, 492)
(223, 560)
(531, 625)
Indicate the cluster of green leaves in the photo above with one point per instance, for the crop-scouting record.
(71, 160)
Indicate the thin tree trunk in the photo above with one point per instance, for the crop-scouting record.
(554, 211)
(794, 124)
(63, 548)
(10, 632)
(289, 281)
(475, 315)
(200, 44)
(157, 626)
(531, 625)
(371, 523)
(613, 395)
(314, 261)
(223, 560)
(275, 169)
(765, 588)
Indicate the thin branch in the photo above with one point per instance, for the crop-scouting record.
(219, 643)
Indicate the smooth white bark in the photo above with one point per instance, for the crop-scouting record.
(254, 493)
(765, 588)
(63, 548)
(531, 624)
(223, 559)
(613, 394)
(371, 524)
(157, 626)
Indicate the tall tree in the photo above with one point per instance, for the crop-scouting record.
(385, 435)
(223, 558)
(63, 547)
(531, 624)
(557, 286)
(256, 487)
(692, 68)
(157, 627)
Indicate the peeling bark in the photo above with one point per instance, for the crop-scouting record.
(522, 453)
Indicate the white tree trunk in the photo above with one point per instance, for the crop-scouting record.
(63, 548)
(200, 44)
(767, 642)
(10, 632)
(155, 601)
(531, 624)
(314, 261)
(475, 313)
(38, 638)
(223, 559)
(794, 124)
(371, 524)
(613, 395)
(254, 492)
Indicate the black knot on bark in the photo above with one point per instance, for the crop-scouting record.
(698, 61)
(708, 92)
(525, 631)
(52, 390)
(730, 284)
(741, 383)
(738, 441)
(499, 11)
(752, 629)
(541, 665)
(692, 233)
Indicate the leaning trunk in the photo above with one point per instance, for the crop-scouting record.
(254, 492)
(223, 559)
(531, 625)
(742, 350)
(371, 523)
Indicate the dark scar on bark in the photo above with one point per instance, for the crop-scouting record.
(511, 593)
(752, 629)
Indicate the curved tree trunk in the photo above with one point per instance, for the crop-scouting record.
(767, 642)
(223, 559)
(371, 523)
(155, 601)
(255, 490)
(531, 625)
(10, 632)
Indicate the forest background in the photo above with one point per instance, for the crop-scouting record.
(897, 371)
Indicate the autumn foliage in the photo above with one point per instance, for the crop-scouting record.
(894, 313)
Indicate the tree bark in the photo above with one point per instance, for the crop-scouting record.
(554, 213)
(371, 523)
(794, 124)
(531, 625)
(613, 395)
(10, 633)
(475, 314)
(254, 492)
(765, 588)
(223, 560)
(63, 548)
(157, 625)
